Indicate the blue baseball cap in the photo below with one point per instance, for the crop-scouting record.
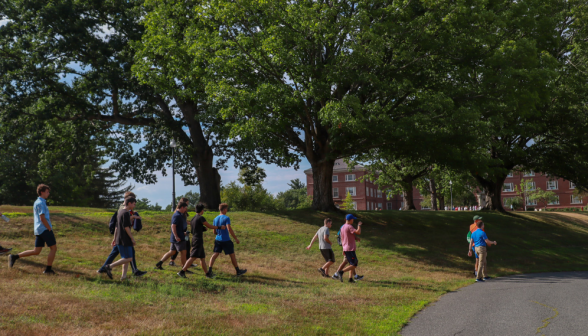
(350, 216)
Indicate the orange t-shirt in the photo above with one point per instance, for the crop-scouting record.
(474, 227)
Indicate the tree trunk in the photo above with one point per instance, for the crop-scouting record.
(433, 194)
(322, 179)
(441, 202)
(209, 181)
(408, 194)
(493, 192)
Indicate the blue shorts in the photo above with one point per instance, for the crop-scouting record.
(226, 246)
(125, 251)
(351, 258)
(46, 237)
(474, 249)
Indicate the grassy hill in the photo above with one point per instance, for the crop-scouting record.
(409, 259)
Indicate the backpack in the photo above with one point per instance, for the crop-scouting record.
(112, 224)
(469, 238)
(137, 224)
(339, 238)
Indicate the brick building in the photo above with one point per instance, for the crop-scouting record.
(365, 194)
(562, 188)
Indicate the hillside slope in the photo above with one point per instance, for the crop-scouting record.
(408, 258)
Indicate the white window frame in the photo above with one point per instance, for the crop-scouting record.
(533, 186)
(380, 206)
(510, 189)
(533, 202)
(529, 173)
(335, 178)
(556, 202)
(349, 177)
(379, 193)
(552, 182)
(335, 192)
(354, 205)
(578, 199)
(351, 190)
(572, 185)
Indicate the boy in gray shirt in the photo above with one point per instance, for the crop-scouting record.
(325, 246)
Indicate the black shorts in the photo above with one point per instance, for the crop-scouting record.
(226, 246)
(328, 255)
(178, 246)
(351, 258)
(47, 237)
(197, 252)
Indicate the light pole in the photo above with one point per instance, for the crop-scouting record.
(172, 144)
(451, 190)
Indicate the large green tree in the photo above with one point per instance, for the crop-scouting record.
(72, 60)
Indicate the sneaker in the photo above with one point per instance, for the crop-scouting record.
(351, 280)
(189, 272)
(139, 273)
(158, 266)
(241, 272)
(358, 277)
(108, 271)
(49, 272)
(487, 278)
(11, 260)
(172, 263)
(479, 280)
(210, 275)
(4, 250)
(322, 271)
(335, 276)
(182, 274)
(102, 270)
(340, 277)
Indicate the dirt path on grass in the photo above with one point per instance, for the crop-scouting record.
(532, 304)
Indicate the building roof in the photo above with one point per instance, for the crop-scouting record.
(339, 166)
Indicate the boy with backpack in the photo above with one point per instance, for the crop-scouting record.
(173, 258)
(137, 226)
(348, 238)
(178, 235)
(324, 246)
(474, 227)
(335, 276)
(123, 238)
(223, 241)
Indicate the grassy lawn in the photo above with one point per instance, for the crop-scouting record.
(409, 259)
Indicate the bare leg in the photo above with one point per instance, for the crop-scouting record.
(188, 264)
(121, 262)
(25, 254)
(51, 256)
(326, 267)
(183, 257)
(168, 254)
(342, 265)
(234, 260)
(125, 268)
(203, 264)
(351, 269)
(213, 258)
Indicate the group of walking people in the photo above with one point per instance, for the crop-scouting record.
(124, 220)
(478, 245)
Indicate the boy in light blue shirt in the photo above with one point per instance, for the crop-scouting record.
(223, 241)
(43, 231)
(480, 241)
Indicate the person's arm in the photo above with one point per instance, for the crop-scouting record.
(233, 233)
(114, 237)
(470, 247)
(488, 242)
(213, 227)
(357, 231)
(175, 231)
(45, 222)
(312, 241)
(128, 229)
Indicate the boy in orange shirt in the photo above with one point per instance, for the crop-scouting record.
(473, 228)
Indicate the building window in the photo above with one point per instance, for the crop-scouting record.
(335, 192)
(576, 199)
(529, 173)
(379, 206)
(350, 190)
(572, 185)
(510, 174)
(354, 205)
(335, 178)
(349, 177)
(531, 186)
(555, 202)
(389, 206)
(372, 192)
(508, 187)
(531, 202)
(379, 194)
(551, 185)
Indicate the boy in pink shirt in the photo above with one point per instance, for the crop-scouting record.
(348, 236)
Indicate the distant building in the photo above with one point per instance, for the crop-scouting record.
(365, 194)
(564, 190)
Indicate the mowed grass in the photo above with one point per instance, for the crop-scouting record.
(409, 259)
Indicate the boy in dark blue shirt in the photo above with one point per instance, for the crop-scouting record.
(178, 235)
(223, 240)
(480, 242)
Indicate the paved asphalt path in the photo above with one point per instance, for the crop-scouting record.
(554, 304)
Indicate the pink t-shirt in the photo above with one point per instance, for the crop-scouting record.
(348, 237)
